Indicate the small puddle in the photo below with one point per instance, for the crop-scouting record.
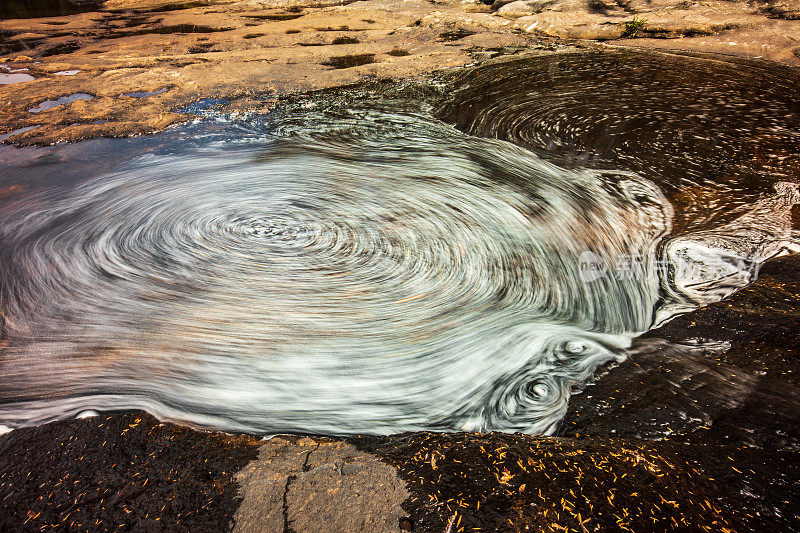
(143, 94)
(6, 136)
(50, 104)
(16, 77)
(9, 75)
(67, 72)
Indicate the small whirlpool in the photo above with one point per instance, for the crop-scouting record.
(350, 267)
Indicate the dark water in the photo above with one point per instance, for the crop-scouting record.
(711, 133)
(354, 264)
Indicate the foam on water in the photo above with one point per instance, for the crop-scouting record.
(371, 272)
(324, 287)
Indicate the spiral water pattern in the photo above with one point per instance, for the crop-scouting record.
(343, 270)
(380, 289)
(710, 132)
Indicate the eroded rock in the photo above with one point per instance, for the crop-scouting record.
(306, 484)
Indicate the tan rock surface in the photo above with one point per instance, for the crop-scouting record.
(318, 485)
(224, 49)
(238, 49)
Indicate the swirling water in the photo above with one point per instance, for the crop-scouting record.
(344, 268)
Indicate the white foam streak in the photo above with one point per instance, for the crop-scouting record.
(425, 282)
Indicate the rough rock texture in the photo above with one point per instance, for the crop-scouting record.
(306, 484)
(128, 471)
(501, 482)
(723, 378)
(121, 472)
(765, 30)
(142, 61)
(732, 378)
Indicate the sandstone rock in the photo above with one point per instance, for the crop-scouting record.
(566, 26)
(522, 8)
(318, 485)
(470, 6)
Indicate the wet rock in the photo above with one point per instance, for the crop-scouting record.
(118, 472)
(727, 372)
(723, 377)
(129, 470)
(501, 482)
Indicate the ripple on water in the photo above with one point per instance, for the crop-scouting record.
(711, 133)
(325, 287)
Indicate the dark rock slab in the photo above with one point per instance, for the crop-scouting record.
(724, 379)
(503, 482)
(128, 471)
(728, 371)
(120, 472)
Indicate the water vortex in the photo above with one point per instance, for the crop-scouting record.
(358, 270)
(381, 291)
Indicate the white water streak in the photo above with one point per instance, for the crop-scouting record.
(326, 288)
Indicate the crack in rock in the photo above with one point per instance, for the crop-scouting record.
(315, 485)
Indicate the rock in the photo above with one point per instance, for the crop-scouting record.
(728, 366)
(470, 6)
(522, 8)
(215, 49)
(721, 376)
(318, 485)
(782, 10)
(116, 471)
(567, 27)
(130, 471)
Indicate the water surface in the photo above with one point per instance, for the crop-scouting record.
(355, 264)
